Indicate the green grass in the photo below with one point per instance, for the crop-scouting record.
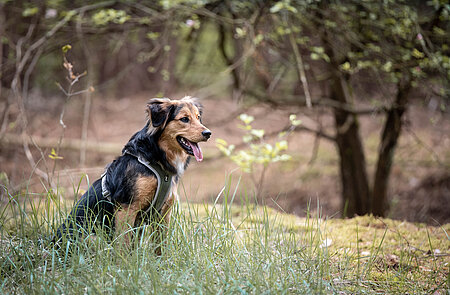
(220, 248)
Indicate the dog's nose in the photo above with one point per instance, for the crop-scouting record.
(206, 133)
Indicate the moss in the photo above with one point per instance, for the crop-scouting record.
(383, 251)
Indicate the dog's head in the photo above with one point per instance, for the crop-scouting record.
(179, 122)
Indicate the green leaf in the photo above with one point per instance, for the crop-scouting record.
(387, 67)
(105, 16)
(438, 31)
(54, 156)
(258, 39)
(315, 56)
(259, 133)
(240, 32)
(281, 145)
(221, 141)
(66, 48)
(318, 49)
(346, 66)
(153, 35)
(294, 121)
(246, 119)
(417, 54)
(247, 138)
(30, 11)
(277, 7)
(285, 157)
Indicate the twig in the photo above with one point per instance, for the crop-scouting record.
(349, 108)
(216, 17)
(295, 100)
(73, 79)
(315, 150)
(29, 71)
(88, 97)
(277, 79)
(301, 70)
(15, 87)
(31, 160)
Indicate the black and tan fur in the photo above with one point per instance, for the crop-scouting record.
(131, 184)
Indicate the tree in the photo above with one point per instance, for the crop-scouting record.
(400, 43)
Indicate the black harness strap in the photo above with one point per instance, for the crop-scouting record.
(164, 183)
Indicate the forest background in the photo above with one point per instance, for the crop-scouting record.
(359, 91)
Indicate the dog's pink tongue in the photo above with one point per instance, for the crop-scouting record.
(197, 151)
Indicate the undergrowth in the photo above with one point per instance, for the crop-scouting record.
(222, 248)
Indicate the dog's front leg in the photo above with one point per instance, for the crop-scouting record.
(125, 219)
(166, 212)
(124, 222)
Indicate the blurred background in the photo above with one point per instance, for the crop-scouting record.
(336, 106)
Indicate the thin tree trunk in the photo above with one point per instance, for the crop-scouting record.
(356, 195)
(390, 136)
(229, 60)
(88, 94)
(355, 186)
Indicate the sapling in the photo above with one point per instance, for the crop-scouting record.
(258, 154)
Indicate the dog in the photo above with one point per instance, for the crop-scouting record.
(140, 186)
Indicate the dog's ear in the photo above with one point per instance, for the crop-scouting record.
(195, 101)
(158, 110)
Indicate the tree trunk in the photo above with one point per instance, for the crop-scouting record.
(356, 195)
(355, 186)
(389, 139)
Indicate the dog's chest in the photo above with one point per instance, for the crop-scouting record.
(180, 164)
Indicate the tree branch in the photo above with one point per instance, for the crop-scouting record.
(300, 70)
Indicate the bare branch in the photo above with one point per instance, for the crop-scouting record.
(29, 71)
(62, 89)
(301, 70)
(350, 108)
(32, 161)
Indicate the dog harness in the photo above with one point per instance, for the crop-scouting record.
(162, 190)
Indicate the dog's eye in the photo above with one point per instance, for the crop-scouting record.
(184, 120)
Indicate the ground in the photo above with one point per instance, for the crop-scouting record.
(419, 188)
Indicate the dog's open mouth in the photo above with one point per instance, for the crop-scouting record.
(191, 148)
